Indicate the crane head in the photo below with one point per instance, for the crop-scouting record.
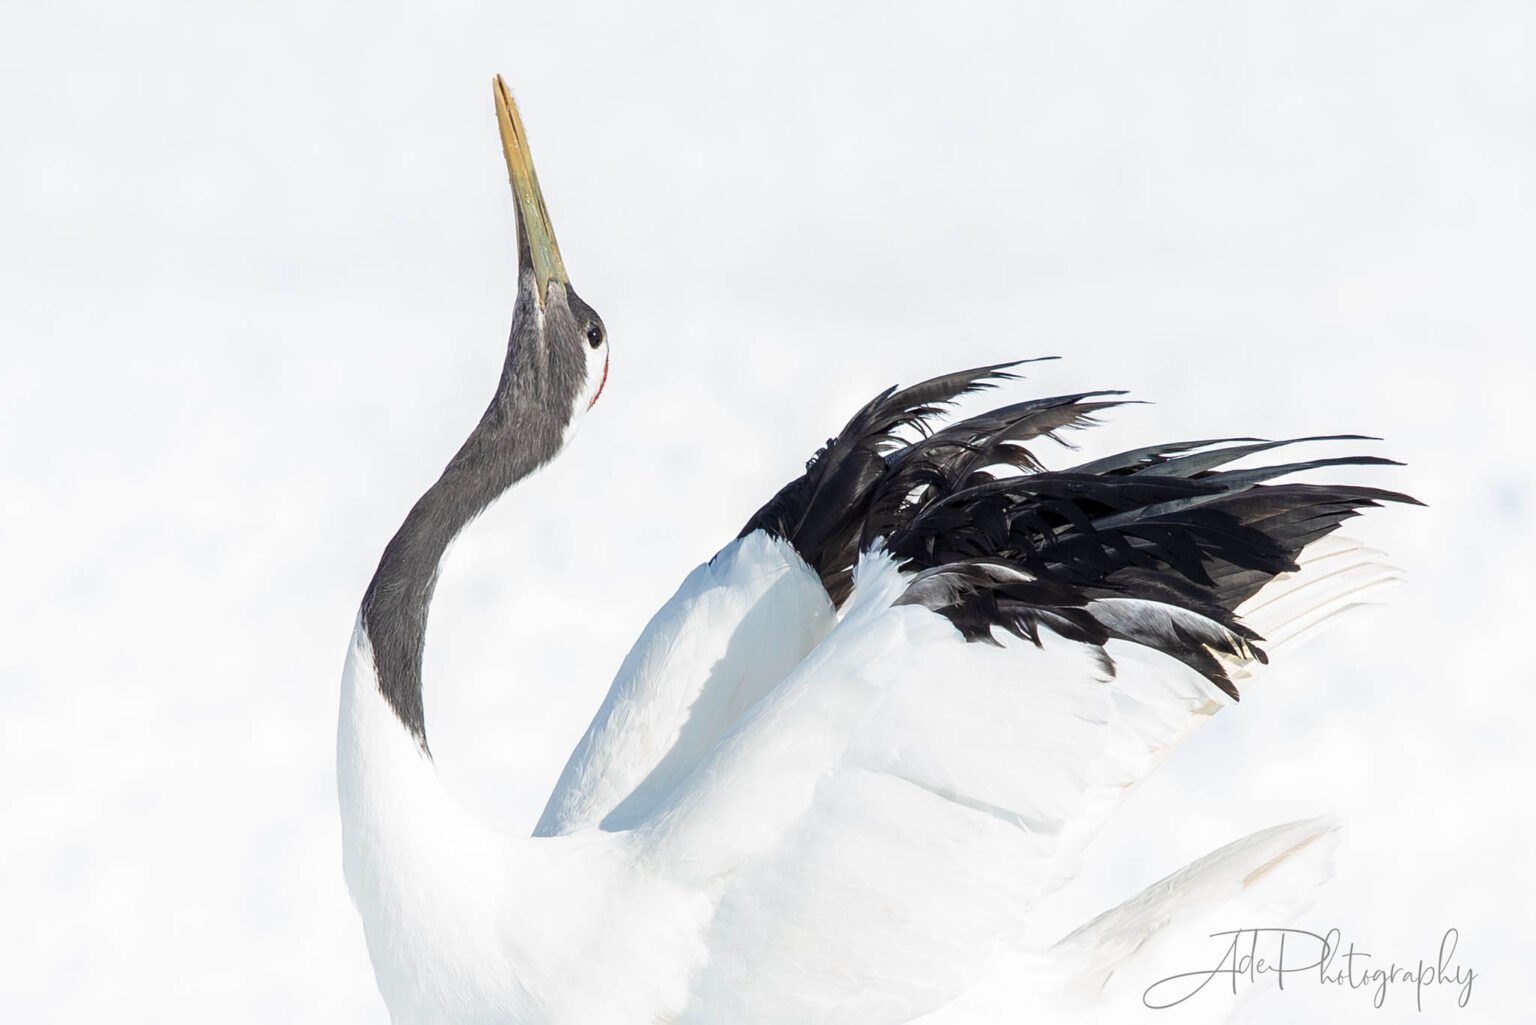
(559, 346)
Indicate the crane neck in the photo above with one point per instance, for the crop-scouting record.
(504, 448)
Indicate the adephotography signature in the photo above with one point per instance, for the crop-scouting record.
(1288, 955)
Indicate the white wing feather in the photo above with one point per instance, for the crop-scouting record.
(1102, 973)
(882, 821)
(876, 828)
(734, 629)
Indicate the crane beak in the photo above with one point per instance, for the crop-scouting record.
(536, 236)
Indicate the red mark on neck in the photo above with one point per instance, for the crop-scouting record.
(601, 384)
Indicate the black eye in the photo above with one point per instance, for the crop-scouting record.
(594, 335)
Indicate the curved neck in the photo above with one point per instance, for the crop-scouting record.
(505, 447)
(395, 606)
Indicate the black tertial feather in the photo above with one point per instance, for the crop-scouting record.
(1157, 545)
(823, 511)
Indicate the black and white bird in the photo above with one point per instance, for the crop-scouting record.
(845, 762)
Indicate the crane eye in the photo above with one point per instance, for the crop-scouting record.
(594, 335)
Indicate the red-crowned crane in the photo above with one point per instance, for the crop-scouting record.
(847, 759)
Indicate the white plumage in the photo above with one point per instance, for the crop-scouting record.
(857, 836)
(843, 765)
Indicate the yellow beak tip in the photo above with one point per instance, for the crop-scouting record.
(533, 218)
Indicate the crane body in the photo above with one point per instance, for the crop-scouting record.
(843, 764)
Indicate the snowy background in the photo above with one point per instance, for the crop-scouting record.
(256, 269)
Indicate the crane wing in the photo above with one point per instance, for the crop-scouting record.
(1015, 648)
(734, 629)
(879, 825)
(884, 821)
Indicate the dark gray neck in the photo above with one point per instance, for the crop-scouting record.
(521, 430)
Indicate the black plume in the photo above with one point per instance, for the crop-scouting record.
(996, 540)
